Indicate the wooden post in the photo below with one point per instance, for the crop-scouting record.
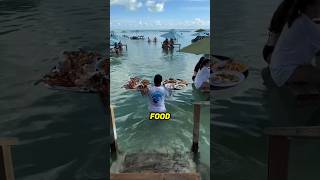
(6, 165)
(196, 126)
(113, 134)
(178, 45)
(278, 158)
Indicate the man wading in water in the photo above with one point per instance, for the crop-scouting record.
(157, 95)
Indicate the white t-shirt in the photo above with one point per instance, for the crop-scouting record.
(202, 76)
(157, 96)
(296, 46)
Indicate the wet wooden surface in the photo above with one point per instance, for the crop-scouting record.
(155, 176)
(310, 132)
(6, 164)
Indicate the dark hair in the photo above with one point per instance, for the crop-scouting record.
(198, 65)
(280, 16)
(204, 62)
(299, 7)
(157, 80)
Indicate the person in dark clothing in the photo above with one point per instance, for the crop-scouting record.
(278, 21)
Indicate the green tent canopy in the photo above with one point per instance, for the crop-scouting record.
(199, 30)
(200, 47)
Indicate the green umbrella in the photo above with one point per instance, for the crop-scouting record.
(199, 30)
(200, 47)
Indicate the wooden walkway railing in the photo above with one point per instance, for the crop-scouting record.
(279, 146)
(6, 165)
(196, 124)
(113, 134)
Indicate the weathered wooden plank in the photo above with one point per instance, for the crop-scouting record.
(155, 176)
(310, 132)
(8, 141)
(202, 102)
(113, 144)
(196, 126)
(278, 158)
(6, 165)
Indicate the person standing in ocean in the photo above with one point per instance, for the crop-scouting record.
(157, 95)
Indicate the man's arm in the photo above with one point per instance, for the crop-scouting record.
(168, 92)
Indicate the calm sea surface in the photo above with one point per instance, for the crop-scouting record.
(61, 135)
(135, 132)
(239, 114)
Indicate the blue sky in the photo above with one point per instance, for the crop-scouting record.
(159, 14)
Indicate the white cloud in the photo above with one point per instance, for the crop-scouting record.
(130, 4)
(198, 0)
(154, 6)
(197, 8)
(159, 24)
(200, 22)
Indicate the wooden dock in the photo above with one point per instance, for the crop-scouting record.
(155, 165)
(279, 148)
(155, 176)
(6, 165)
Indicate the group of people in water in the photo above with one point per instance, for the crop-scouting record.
(117, 47)
(168, 44)
(293, 43)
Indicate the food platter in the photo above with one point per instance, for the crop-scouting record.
(136, 83)
(226, 78)
(175, 84)
(79, 71)
(180, 86)
(229, 65)
(170, 85)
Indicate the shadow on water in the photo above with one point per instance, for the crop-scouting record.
(55, 133)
